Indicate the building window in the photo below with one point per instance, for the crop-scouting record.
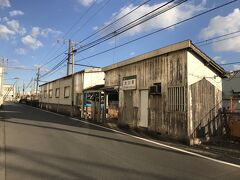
(50, 93)
(67, 91)
(176, 98)
(57, 92)
(45, 94)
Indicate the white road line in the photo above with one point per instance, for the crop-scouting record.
(147, 140)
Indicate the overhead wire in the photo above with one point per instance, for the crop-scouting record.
(130, 25)
(159, 30)
(113, 22)
(68, 31)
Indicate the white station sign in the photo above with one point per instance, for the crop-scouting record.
(129, 82)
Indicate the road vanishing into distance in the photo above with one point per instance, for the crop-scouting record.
(40, 145)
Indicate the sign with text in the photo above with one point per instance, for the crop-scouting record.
(129, 82)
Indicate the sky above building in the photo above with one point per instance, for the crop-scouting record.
(36, 33)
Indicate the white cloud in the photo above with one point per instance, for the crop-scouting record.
(31, 42)
(14, 25)
(16, 13)
(5, 3)
(219, 60)
(172, 16)
(86, 2)
(132, 53)
(236, 67)
(32, 39)
(4, 19)
(95, 28)
(21, 51)
(5, 32)
(37, 31)
(220, 25)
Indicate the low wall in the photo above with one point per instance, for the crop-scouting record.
(61, 109)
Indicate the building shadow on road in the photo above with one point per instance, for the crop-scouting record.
(57, 163)
(20, 112)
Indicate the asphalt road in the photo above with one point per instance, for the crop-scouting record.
(42, 145)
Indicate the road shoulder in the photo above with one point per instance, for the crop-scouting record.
(2, 148)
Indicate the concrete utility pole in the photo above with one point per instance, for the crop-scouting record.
(69, 56)
(73, 51)
(23, 88)
(38, 74)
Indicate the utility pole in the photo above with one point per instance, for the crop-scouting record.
(69, 56)
(38, 74)
(73, 51)
(23, 88)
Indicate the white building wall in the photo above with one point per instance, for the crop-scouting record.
(82, 80)
(10, 96)
(197, 71)
(93, 78)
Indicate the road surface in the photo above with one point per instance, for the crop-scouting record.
(41, 145)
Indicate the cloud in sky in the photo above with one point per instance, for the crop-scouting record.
(16, 13)
(45, 32)
(32, 39)
(10, 28)
(172, 16)
(5, 32)
(20, 51)
(15, 26)
(236, 67)
(5, 3)
(219, 60)
(220, 25)
(32, 42)
(86, 2)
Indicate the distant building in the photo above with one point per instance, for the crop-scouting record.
(9, 92)
(231, 92)
(175, 90)
(59, 96)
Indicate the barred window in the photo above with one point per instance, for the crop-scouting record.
(176, 98)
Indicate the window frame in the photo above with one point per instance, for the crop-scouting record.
(57, 95)
(176, 98)
(66, 96)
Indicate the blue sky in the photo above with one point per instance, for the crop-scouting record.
(33, 32)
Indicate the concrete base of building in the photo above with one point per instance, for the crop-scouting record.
(68, 110)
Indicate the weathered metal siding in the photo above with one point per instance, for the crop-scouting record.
(169, 70)
(205, 103)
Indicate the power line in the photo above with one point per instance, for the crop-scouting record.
(99, 10)
(130, 25)
(110, 33)
(84, 65)
(20, 68)
(162, 29)
(105, 27)
(218, 40)
(226, 64)
(217, 37)
(55, 67)
(133, 26)
(68, 31)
